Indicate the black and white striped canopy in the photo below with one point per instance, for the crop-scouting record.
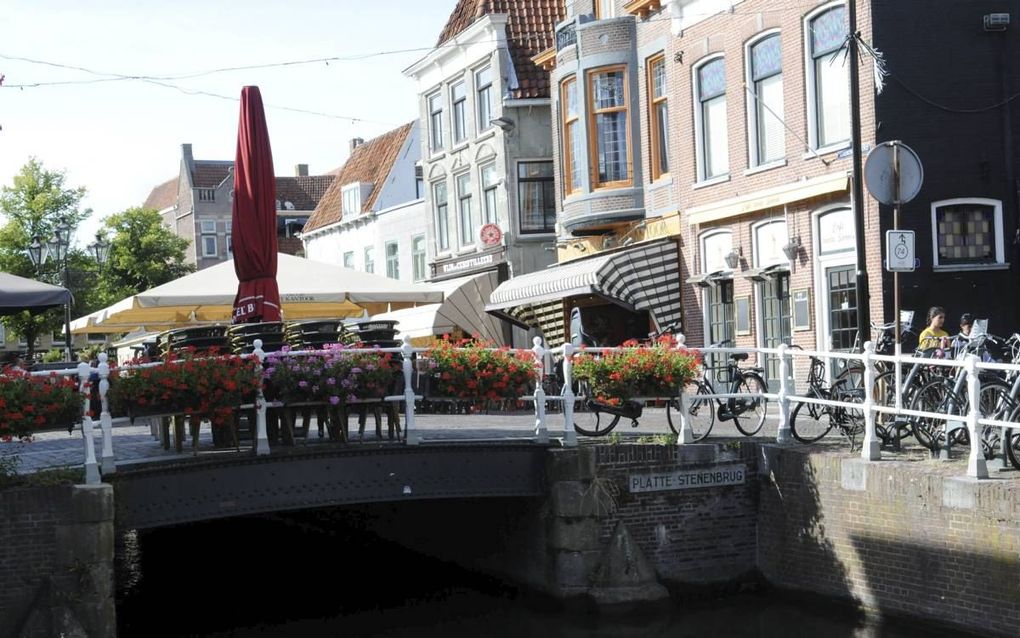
(643, 277)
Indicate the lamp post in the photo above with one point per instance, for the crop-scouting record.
(56, 250)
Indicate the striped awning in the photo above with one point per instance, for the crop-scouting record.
(642, 277)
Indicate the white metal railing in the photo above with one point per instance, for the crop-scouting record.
(785, 397)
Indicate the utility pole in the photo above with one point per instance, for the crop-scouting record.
(857, 195)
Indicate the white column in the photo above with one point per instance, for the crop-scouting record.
(261, 437)
(783, 435)
(105, 419)
(871, 448)
(541, 433)
(686, 434)
(569, 434)
(91, 469)
(976, 465)
(410, 431)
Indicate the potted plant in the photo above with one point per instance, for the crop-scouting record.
(31, 403)
(206, 387)
(476, 371)
(634, 370)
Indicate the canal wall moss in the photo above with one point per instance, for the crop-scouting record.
(56, 562)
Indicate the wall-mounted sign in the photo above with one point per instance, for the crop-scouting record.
(801, 309)
(714, 249)
(490, 234)
(467, 263)
(769, 240)
(899, 250)
(688, 479)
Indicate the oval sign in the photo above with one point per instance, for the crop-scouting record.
(880, 174)
(490, 234)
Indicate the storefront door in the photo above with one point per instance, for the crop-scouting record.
(776, 322)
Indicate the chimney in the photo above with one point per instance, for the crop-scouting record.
(186, 153)
(301, 170)
(356, 142)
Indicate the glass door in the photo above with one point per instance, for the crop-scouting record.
(776, 322)
(720, 325)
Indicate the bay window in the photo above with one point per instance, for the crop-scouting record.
(607, 123)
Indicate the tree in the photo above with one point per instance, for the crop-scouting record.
(143, 254)
(36, 203)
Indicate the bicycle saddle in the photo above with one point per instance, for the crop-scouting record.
(739, 356)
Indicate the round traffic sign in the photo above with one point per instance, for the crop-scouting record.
(880, 173)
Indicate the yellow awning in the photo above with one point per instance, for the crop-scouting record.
(769, 198)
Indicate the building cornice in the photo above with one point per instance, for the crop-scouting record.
(489, 24)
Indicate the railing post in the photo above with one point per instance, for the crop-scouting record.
(569, 435)
(105, 420)
(91, 469)
(783, 435)
(261, 437)
(541, 433)
(871, 448)
(410, 431)
(686, 434)
(976, 465)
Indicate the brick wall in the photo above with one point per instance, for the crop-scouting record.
(895, 537)
(28, 521)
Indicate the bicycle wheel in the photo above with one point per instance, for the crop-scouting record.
(588, 419)
(749, 413)
(850, 421)
(700, 411)
(806, 427)
(933, 396)
(1013, 437)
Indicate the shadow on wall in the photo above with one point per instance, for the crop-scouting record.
(793, 543)
(978, 589)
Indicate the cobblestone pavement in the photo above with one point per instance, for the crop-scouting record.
(135, 444)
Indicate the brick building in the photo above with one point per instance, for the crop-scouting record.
(198, 203)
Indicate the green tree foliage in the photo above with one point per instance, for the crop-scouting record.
(143, 254)
(33, 206)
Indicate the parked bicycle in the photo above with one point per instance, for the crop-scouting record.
(810, 422)
(748, 414)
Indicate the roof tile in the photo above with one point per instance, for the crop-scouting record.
(210, 174)
(163, 196)
(304, 191)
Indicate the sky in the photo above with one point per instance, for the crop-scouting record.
(119, 139)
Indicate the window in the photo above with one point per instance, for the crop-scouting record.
(710, 119)
(94, 337)
(418, 257)
(208, 226)
(230, 246)
(828, 78)
(535, 194)
(490, 181)
(349, 259)
(459, 95)
(442, 216)
(206, 194)
(604, 9)
(608, 126)
(419, 182)
(720, 322)
(3, 335)
(209, 247)
(658, 116)
(392, 260)
(572, 151)
(967, 232)
(228, 226)
(369, 258)
(351, 196)
(435, 103)
(483, 84)
(765, 107)
(467, 224)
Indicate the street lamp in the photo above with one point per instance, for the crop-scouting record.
(100, 249)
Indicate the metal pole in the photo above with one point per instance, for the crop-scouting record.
(896, 226)
(857, 197)
(67, 319)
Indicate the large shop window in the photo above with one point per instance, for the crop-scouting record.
(607, 94)
(710, 119)
(535, 192)
(442, 216)
(466, 217)
(572, 149)
(828, 77)
(765, 113)
(967, 232)
(658, 116)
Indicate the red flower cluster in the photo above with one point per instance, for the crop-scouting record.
(30, 403)
(201, 387)
(637, 371)
(469, 369)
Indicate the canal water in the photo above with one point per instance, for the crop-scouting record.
(304, 575)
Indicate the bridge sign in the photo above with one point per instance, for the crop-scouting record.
(899, 250)
(688, 479)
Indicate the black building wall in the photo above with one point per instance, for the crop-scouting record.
(947, 74)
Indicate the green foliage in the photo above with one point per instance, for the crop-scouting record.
(646, 371)
(53, 355)
(143, 254)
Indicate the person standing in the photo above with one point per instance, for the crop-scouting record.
(933, 336)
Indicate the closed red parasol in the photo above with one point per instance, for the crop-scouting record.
(254, 218)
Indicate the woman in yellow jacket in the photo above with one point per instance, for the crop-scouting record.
(934, 336)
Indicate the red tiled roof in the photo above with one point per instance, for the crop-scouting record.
(210, 174)
(370, 163)
(163, 196)
(304, 191)
(530, 30)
